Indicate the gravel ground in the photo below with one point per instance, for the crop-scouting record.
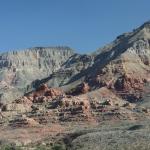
(128, 136)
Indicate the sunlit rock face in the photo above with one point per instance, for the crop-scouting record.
(18, 69)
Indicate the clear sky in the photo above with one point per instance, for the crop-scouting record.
(84, 25)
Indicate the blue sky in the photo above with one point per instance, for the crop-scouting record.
(84, 25)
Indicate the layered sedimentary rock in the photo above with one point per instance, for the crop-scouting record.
(40, 108)
(20, 69)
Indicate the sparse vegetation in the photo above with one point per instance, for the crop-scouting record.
(58, 147)
(9, 147)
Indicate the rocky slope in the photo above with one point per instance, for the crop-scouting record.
(48, 113)
(124, 65)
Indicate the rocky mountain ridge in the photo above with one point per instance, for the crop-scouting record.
(24, 71)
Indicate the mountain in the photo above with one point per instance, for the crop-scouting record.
(22, 71)
(124, 65)
(121, 65)
(71, 98)
(18, 69)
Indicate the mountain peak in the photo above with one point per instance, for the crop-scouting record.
(147, 24)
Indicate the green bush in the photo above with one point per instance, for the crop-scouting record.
(58, 147)
(41, 147)
(9, 147)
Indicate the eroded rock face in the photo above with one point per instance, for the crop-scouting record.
(54, 92)
(19, 69)
(40, 95)
(84, 88)
(80, 89)
(19, 108)
(130, 88)
(127, 83)
(24, 121)
(44, 93)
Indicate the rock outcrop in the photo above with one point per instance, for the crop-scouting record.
(80, 89)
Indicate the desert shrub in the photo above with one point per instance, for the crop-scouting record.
(54, 147)
(136, 127)
(42, 147)
(9, 147)
(58, 147)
